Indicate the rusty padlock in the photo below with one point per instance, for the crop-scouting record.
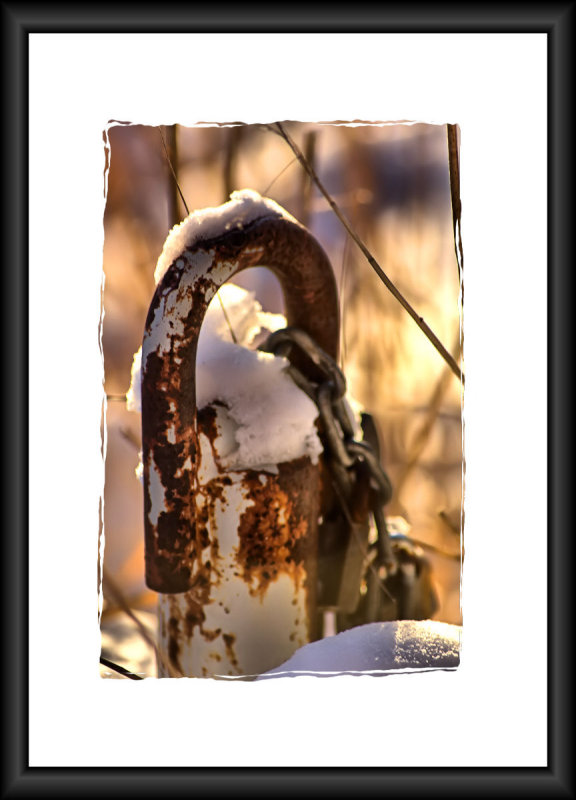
(232, 554)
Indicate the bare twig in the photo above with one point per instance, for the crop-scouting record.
(424, 327)
(173, 171)
(282, 171)
(171, 148)
(128, 436)
(423, 434)
(448, 522)
(118, 596)
(230, 328)
(234, 135)
(175, 219)
(434, 548)
(117, 668)
(343, 348)
(307, 184)
(454, 166)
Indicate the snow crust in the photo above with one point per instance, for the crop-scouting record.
(377, 648)
(243, 207)
(273, 420)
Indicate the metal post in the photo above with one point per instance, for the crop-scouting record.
(233, 555)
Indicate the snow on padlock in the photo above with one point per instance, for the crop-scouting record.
(231, 494)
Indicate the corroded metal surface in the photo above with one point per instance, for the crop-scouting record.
(233, 554)
(169, 434)
(255, 595)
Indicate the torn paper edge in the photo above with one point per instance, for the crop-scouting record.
(328, 123)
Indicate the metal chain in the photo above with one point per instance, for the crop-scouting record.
(354, 465)
(394, 572)
(328, 396)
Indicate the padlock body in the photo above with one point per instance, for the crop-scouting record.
(253, 596)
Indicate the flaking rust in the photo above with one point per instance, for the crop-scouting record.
(233, 554)
(256, 570)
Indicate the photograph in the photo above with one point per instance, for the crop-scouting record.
(282, 344)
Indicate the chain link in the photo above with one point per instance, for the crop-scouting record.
(362, 486)
(337, 422)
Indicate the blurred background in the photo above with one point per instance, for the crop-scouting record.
(392, 183)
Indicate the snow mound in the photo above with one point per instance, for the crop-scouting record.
(377, 648)
(273, 420)
(242, 208)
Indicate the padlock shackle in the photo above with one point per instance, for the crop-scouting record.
(169, 424)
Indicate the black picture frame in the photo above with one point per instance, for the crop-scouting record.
(19, 20)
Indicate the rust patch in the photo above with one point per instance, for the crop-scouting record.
(174, 643)
(278, 533)
(269, 536)
(193, 616)
(209, 636)
(207, 422)
(183, 619)
(229, 641)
